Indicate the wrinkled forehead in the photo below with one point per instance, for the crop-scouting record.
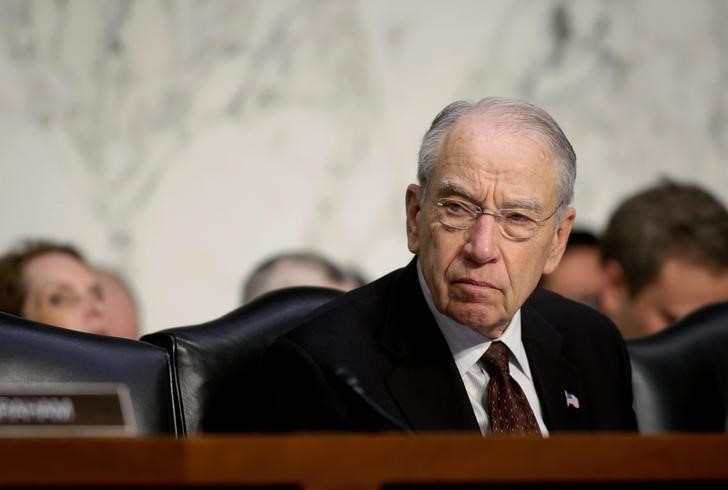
(483, 158)
(499, 127)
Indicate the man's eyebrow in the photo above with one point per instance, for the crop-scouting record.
(453, 189)
(54, 284)
(525, 203)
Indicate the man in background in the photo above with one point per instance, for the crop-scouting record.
(580, 274)
(665, 254)
(122, 312)
(298, 269)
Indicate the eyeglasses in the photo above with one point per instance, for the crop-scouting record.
(513, 224)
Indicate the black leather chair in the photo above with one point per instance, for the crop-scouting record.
(680, 375)
(31, 352)
(215, 363)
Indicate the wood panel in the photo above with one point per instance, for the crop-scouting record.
(318, 462)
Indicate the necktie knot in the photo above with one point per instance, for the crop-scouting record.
(496, 358)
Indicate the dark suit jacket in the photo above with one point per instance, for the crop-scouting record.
(385, 335)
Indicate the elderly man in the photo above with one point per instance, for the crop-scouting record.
(459, 339)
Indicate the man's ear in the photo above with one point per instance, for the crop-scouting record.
(412, 207)
(558, 242)
(614, 294)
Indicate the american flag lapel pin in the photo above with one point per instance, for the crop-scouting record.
(571, 400)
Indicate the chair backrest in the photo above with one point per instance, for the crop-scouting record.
(31, 353)
(215, 364)
(680, 375)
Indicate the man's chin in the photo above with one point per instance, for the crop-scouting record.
(487, 320)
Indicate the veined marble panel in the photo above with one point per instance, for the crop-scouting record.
(183, 141)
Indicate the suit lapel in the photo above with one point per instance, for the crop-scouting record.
(554, 376)
(427, 386)
(425, 381)
(432, 398)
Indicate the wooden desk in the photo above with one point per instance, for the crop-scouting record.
(368, 462)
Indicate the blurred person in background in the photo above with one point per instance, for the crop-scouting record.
(120, 304)
(580, 274)
(51, 283)
(665, 254)
(298, 269)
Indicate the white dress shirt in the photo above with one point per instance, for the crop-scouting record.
(468, 346)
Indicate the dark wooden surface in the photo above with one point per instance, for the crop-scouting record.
(324, 462)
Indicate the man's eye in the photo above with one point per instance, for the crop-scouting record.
(62, 298)
(516, 218)
(56, 299)
(454, 207)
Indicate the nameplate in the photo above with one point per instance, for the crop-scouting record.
(66, 409)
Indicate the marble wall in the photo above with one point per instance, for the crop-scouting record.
(183, 141)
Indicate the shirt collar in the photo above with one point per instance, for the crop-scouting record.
(467, 345)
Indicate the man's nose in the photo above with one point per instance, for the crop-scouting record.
(93, 305)
(483, 240)
(94, 315)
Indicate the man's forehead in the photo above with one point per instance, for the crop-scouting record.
(467, 129)
(491, 122)
(466, 144)
(497, 124)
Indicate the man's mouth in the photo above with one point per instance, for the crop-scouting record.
(476, 283)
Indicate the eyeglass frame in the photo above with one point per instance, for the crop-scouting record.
(498, 215)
